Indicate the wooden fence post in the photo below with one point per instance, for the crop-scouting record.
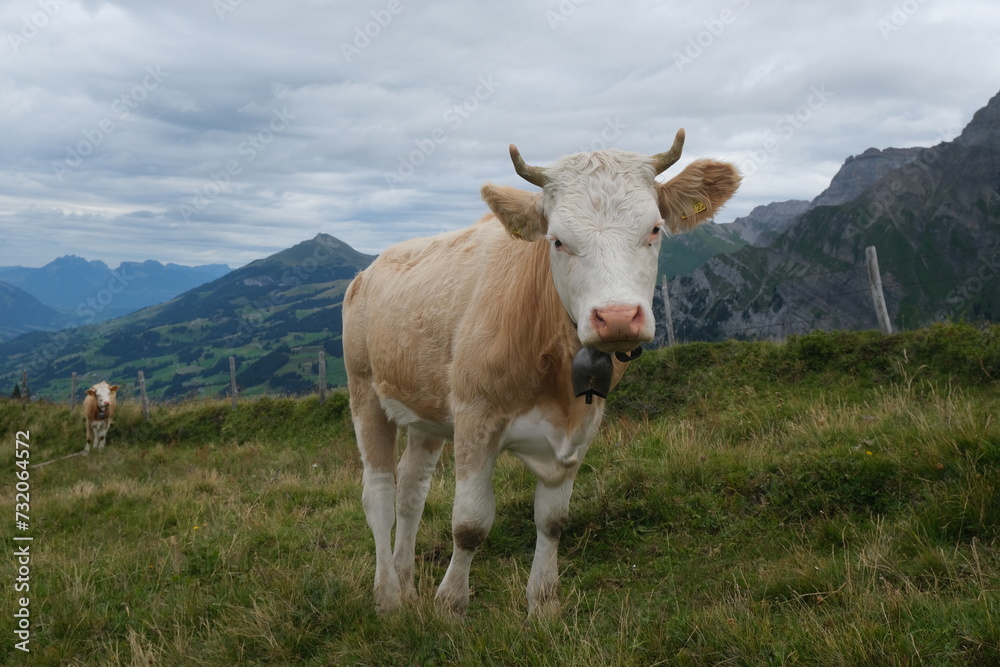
(24, 393)
(142, 394)
(322, 377)
(666, 311)
(232, 379)
(72, 392)
(875, 279)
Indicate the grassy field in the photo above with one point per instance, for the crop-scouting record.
(828, 501)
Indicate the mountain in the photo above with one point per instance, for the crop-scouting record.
(765, 223)
(861, 171)
(683, 253)
(86, 292)
(933, 214)
(274, 315)
(20, 313)
(680, 255)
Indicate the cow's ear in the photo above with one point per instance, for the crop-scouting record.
(519, 211)
(91, 392)
(694, 195)
(114, 388)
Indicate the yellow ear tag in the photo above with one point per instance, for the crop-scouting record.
(698, 208)
(519, 231)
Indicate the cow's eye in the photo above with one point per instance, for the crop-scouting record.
(559, 245)
(654, 235)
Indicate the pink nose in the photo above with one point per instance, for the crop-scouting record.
(617, 323)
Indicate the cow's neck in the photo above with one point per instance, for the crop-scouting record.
(559, 328)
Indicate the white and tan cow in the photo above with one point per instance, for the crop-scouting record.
(98, 408)
(473, 336)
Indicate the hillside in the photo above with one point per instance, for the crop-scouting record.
(933, 215)
(274, 315)
(20, 313)
(87, 292)
(683, 253)
(829, 501)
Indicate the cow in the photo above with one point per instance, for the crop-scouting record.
(98, 408)
(500, 337)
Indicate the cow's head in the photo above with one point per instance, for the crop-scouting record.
(103, 393)
(603, 214)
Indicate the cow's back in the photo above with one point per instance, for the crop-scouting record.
(452, 317)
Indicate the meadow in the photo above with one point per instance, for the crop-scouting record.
(830, 500)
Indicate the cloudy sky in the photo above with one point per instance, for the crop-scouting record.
(225, 130)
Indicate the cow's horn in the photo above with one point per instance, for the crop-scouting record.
(534, 175)
(661, 161)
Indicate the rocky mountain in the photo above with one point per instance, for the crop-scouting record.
(682, 254)
(765, 223)
(86, 292)
(861, 171)
(933, 215)
(274, 315)
(20, 313)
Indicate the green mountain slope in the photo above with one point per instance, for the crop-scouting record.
(273, 315)
(682, 254)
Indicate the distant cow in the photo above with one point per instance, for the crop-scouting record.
(499, 337)
(99, 406)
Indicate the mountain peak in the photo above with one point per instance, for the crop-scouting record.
(75, 262)
(764, 223)
(322, 250)
(861, 171)
(984, 128)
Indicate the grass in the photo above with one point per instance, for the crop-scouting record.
(829, 501)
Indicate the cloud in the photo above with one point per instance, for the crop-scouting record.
(223, 131)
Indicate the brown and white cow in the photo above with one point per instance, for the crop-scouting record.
(98, 407)
(475, 335)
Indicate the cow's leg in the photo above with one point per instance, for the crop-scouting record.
(90, 437)
(551, 514)
(413, 481)
(377, 443)
(471, 517)
(102, 434)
